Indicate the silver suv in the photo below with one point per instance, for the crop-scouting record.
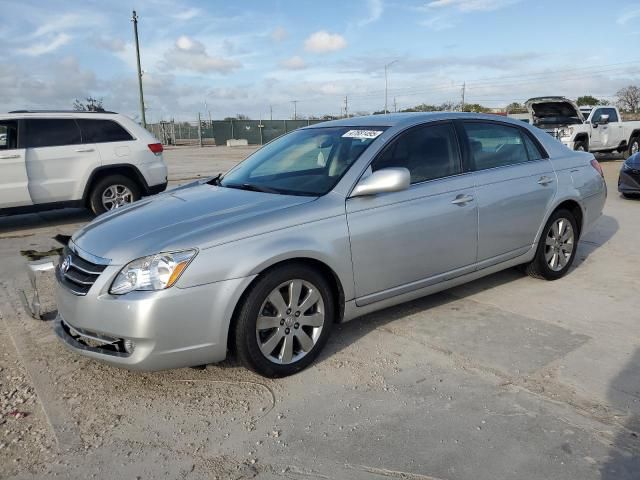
(320, 226)
(54, 159)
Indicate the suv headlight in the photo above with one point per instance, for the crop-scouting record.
(155, 272)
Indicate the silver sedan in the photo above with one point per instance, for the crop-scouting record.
(320, 226)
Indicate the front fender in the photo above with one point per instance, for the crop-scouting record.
(325, 240)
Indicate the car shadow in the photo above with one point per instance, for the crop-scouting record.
(623, 462)
(350, 332)
(50, 218)
(603, 231)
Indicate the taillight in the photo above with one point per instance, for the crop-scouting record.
(156, 148)
(596, 165)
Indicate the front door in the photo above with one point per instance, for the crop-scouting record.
(515, 185)
(401, 241)
(14, 183)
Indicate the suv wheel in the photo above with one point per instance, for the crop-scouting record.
(284, 321)
(111, 192)
(557, 247)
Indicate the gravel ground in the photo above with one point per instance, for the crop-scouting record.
(506, 377)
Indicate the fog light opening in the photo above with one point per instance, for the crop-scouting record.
(129, 345)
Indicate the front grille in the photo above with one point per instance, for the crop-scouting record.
(76, 273)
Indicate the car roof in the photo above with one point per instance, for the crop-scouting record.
(16, 114)
(410, 118)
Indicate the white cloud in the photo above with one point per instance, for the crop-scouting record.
(279, 34)
(187, 14)
(190, 54)
(294, 63)
(438, 23)
(112, 44)
(471, 5)
(376, 7)
(46, 47)
(323, 42)
(626, 17)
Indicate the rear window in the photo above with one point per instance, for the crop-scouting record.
(51, 132)
(102, 131)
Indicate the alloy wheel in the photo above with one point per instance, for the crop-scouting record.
(559, 244)
(290, 321)
(635, 147)
(115, 196)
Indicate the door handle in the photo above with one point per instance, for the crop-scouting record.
(545, 181)
(462, 199)
(15, 155)
(84, 150)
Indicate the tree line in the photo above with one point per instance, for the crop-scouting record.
(627, 100)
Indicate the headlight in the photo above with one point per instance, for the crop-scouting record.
(565, 132)
(155, 272)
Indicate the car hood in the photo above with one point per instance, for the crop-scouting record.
(200, 216)
(552, 107)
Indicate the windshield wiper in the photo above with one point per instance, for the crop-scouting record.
(252, 187)
(215, 180)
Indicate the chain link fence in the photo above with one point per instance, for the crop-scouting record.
(217, 132)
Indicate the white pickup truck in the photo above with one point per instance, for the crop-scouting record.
(593, 129)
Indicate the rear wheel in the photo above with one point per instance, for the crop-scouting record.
(581, 146)
(111, 192)
(633, 148)
(285, 320)
(557, 247)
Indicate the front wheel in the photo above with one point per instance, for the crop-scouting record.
(581, 146)
(284, 321)
(557, 247)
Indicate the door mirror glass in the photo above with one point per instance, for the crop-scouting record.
(384, 180)
(604, 119)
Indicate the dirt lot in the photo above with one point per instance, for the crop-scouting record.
(505, 377)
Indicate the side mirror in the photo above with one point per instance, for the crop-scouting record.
(604, 119)
(381, 181)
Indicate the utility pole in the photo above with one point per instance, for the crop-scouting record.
(346, 106)
(199, 130)
(270, 112)
(464, 87)
(295, 109)
(395, 105)
(134, 19)
(386, 85)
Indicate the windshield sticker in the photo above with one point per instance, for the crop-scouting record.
(362, 134)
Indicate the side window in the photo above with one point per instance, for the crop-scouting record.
(428, 152)
(51, 132)
(533, 150)
(8, 134)
(495, 145)
(613, 116)
(102, 131)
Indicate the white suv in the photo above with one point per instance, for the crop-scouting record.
(55, 159)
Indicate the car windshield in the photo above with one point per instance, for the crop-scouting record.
(303, 162)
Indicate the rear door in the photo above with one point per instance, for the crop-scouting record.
(402, 241)
(515, 185)
(113, 142)
(14, 183)
(58, 162)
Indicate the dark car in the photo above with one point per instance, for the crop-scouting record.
(629, 180)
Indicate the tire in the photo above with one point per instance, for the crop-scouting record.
(634, 144)
(265, 350)
(631, 196)
(540, 266)
(581, 145)
(129, 189)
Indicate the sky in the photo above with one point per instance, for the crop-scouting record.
(254, 57)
